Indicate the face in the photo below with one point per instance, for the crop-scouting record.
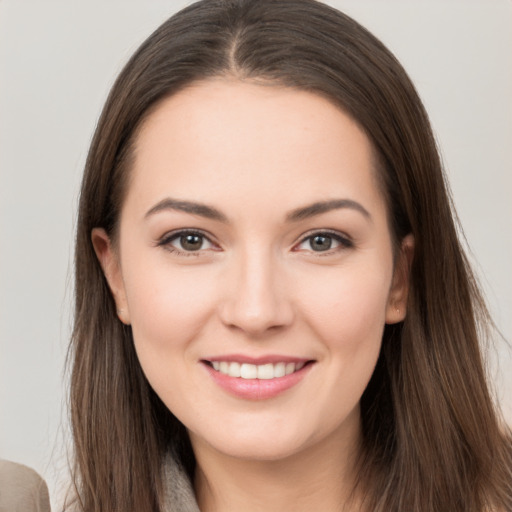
(254, 263)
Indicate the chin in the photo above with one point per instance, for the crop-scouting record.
(262, 452)
(262, 445)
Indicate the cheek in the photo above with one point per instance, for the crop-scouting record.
(349, 319)
(167, 307)
(347, 310)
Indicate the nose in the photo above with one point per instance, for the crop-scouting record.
(256, 299)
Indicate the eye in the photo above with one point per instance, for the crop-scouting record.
(186, 243)
(324, 241)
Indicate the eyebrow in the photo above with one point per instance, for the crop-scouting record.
(324, 207)
(200, 209)
(296, 215)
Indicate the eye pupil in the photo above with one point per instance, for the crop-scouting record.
(321, 243)
(191, 242)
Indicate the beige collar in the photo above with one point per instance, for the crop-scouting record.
(179, 495)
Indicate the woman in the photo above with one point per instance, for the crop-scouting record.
(267, 314)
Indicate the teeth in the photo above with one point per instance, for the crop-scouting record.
(234, 370)
(253, 371)
(266, 371)
(279, 370)
(248, 371)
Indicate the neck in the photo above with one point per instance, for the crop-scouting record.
(319, 477)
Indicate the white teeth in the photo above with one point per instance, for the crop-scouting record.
(253, 371)
(279, 370)
(266, 371)
(248, 371)
(234, 370)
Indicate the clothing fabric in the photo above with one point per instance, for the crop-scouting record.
(22, 489)
(179, 494)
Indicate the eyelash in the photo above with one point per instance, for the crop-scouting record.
(170, 237)
(343, 240)
(165, 241)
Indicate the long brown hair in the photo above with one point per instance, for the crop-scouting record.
(432, 439)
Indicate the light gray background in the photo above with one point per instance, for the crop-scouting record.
(57, 62)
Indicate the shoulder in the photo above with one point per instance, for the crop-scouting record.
(22, 489)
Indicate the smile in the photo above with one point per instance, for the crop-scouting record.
(258, 379)
(252, 371)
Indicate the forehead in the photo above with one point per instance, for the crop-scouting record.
(224, 139)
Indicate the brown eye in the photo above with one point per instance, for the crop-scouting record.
(186, 242)
(191, 242)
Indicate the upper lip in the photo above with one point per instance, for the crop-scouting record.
(265, 359)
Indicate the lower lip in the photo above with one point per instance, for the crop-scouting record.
(257, 389)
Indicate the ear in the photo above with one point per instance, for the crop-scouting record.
(109, 261)
(396, 309)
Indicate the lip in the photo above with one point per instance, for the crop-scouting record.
(257, 389)
(266, 359)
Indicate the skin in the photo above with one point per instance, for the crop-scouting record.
(257, 285)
